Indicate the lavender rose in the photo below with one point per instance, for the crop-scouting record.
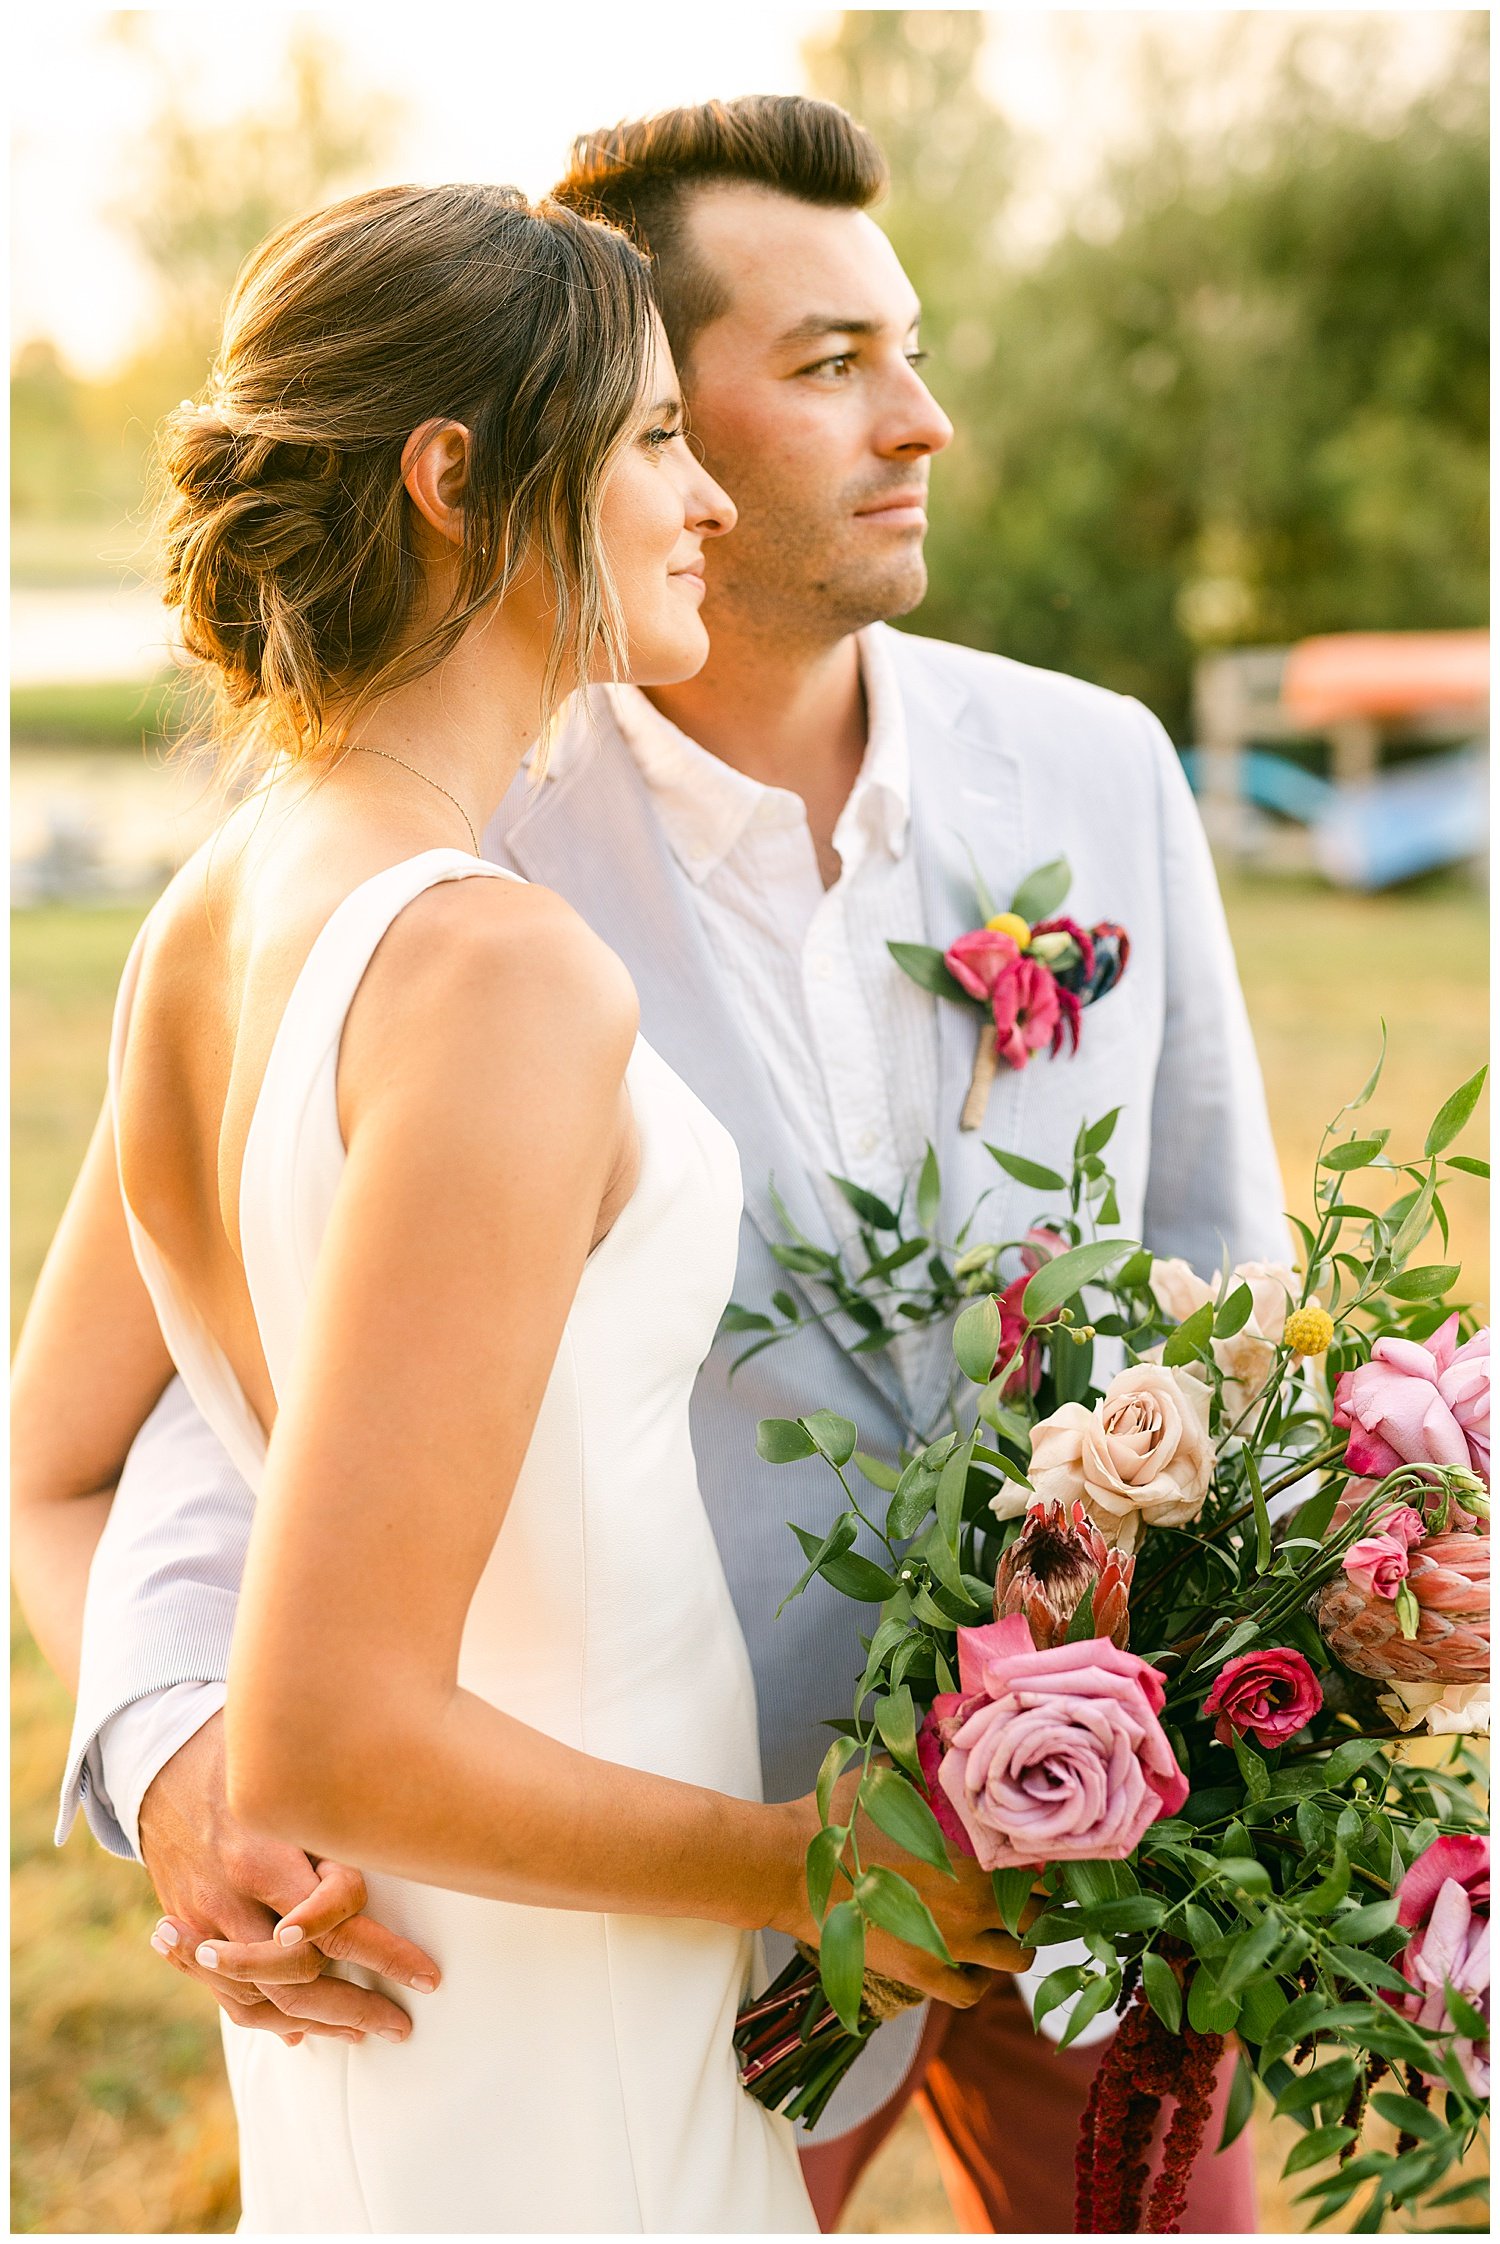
(1062, 1756)
(1445, 1900)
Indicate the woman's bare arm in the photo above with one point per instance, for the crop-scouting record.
(482, 1092)
(90, 1367)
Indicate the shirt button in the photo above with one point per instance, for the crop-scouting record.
(869, 1141)
(822, 967)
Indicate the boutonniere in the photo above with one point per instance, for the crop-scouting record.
(1029, 971)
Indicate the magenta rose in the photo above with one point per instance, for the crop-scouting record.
(1027, 1009)
(1269, 1696)
(1040, 1245)
(1445, 1901)
(944, 1718)
(1418, 1403)
(978, 959)
(1058, 1755)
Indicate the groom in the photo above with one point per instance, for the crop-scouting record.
(749, 842)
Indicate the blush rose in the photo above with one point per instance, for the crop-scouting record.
(1142, 1457)
(1057, 1755)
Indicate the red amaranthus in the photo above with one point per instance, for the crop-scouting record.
(1143, 2064)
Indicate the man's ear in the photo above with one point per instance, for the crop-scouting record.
(435, 471)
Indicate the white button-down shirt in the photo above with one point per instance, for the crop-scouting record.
(847, 1041)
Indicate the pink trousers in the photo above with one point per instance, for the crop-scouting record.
(1002, 2107)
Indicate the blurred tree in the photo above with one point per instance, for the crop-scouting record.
(206, 190)
(1243, 394)
(203, 191)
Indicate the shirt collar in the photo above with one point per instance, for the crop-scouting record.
(705, 805)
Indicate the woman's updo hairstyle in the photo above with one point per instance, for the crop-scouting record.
(288, 532)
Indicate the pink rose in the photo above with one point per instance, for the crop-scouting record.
(1377, 1564)
(1027, 1007)
(1418, 1403)
(1269, 1696)
(1063, 1757)
(1445, 1900)
(978, 959)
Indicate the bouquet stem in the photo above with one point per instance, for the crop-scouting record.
(986, 1065)
(794, 2049)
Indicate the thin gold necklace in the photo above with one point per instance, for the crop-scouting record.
(387, 757)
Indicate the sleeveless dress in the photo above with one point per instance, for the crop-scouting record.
(573, 2072)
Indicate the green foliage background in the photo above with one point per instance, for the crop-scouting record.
(1241, 397)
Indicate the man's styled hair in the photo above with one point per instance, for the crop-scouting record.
(642, 175)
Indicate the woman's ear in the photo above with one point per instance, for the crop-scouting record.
(435, 470)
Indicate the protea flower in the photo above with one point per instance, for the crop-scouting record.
(1450, 1580)
(1056, 1559)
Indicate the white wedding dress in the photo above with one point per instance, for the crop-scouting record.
(573, 2071)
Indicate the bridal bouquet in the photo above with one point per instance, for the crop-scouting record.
(1157, 1644)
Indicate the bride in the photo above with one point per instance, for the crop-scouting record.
(438, 1244)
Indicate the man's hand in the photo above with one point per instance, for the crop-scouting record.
(224, 1892)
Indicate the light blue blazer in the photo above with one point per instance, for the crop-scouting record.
(1021, 765)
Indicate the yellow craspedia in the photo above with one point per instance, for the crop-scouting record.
(1307, 1332)
(1011, 923)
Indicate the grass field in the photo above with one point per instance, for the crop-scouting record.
(120, 2119)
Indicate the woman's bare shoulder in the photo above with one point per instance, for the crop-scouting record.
(483, 968)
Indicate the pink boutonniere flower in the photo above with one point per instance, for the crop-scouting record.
(1032, 971)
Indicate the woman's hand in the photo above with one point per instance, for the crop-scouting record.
(962, 1906)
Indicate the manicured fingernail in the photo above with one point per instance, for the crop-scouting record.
(294, 2041)
(390, 2033)
(160, 1945)
(351, 2037)
(424, 1986)
(167, 1934)
(208, 1957)
(289, 1935)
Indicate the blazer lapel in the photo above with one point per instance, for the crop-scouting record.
(592, 834)
(968, 788)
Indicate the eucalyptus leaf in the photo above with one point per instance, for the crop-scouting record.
(976, 1339)
(903, 1815)
(888, 1900)
(822, 1867)
(1013, 1889)
(1454, 1113)
(1162, 1990)
(1357, 1153)
(925, 967)
(833, 1437)
(1042, 892)
(1097, 1995)
(1373, 1079)
(781, 1441)
(835, 1761)
(1058, 1280)
(929, 1192)
(896, 1720)
(877, 1472)
(1028, 1172)
(1423, 1283)
(1056, 1988)
(1190, 1342)
(841, 1962)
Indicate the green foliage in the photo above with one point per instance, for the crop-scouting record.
(1241, 397)
(1267, 1906)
